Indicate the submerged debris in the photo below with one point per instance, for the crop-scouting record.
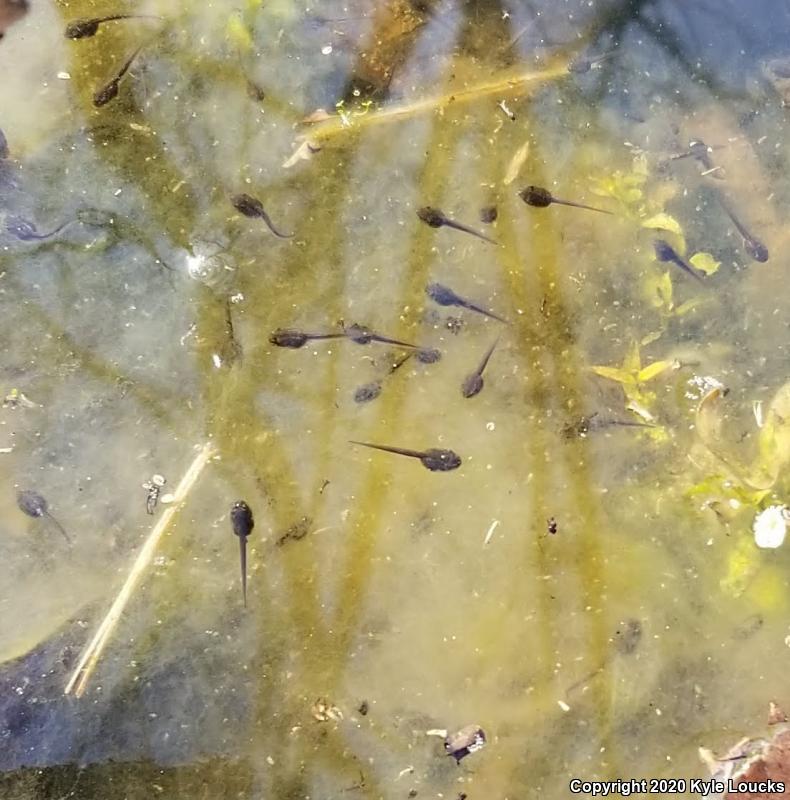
(770, 526)
(463, 743)
(154, 486)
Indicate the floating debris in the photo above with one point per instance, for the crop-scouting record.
(154, 486)
(463, 743)
(770, 526)
(324, 711)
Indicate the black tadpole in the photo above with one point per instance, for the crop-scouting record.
(665, 252)
(242, 521)
(434, 459)
(252, 208)
(293, 339)
(83, 28)
(445, 296)
(751, 244)
(110, 90)
(538, 197)
(437, 219)
(473, 383)
(35, 505)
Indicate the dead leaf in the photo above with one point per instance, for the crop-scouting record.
(516, 163)
(304, 152)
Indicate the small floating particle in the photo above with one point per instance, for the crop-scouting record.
(492, 528)
(326, 49)
(236, 298)
(216, 360)
(563, 705)
(441, 732)
(64, 76)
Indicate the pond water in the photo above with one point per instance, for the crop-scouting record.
(585, 587)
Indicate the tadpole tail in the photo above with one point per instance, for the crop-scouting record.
(487, 357)
(115, 17)
(386, 340)
(688, 268)
(243, 559)
(60, 528)
(459, 226)
(580, 205)
(387, 449)
(265, 217)
(483, 311)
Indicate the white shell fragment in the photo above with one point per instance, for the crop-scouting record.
(770, 526)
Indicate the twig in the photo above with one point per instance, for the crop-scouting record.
(348, 121)
(90, 657)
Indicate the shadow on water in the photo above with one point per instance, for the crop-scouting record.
(561, 591)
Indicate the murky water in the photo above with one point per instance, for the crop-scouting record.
(585, 587)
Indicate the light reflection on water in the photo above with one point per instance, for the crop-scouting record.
(393, 596)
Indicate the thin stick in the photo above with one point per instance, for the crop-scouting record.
(92, 654)
(513, 84)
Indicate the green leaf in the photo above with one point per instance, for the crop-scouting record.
(664, 222)
(654, 370)
(705, 262)
(614, 374)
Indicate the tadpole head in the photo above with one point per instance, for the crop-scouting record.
(472, 385)
(536, 196)
(358, 334)
(440, 460)
(367, 392)
(106, 93)
(285, 337)
(756, 250)
(241, 518)
(440, 294)
(664, 251)
(247, 205)
(429, 355)
(580, 65)
(488, 214)
(431, 216)
(82, 28)
(31, 503)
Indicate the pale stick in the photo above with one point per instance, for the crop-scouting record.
(90, 657)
